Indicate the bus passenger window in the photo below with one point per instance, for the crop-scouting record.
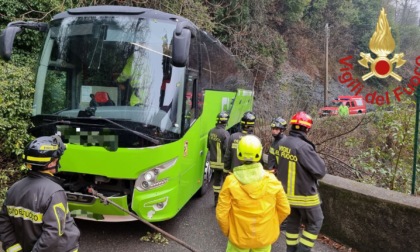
(190, 103)
(189, 109)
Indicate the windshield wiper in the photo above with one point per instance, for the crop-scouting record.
(61, 122)
(62, 110)
(48, 124)
(65, 122)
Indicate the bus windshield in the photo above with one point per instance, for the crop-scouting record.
(117, 68)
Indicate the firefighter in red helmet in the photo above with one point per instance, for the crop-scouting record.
(299, 169)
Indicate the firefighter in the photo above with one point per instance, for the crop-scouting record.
(278, 126)
(343, 110)
(216, 143)
(299, 169)
(230, 159)
(35, 215)
(252, 202)
(131, 76)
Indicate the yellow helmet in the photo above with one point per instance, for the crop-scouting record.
(249, 148)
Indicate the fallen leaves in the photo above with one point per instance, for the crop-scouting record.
(340, 247)
(154, 237)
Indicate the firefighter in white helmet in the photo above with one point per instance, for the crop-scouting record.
(278, 126)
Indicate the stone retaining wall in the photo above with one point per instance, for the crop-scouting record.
(369, 218)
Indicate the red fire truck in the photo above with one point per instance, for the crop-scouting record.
(356, 104)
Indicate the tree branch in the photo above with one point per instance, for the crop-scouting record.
(344, 133)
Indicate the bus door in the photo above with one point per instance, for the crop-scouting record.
(193, 148)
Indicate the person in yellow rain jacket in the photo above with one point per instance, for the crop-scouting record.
(252, 202)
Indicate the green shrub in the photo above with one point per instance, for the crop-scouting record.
(16, 85)
(387, 161)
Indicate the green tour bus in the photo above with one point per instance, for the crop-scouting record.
(133, 93)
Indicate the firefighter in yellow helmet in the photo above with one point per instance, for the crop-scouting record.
(252, 202)
(299, 169)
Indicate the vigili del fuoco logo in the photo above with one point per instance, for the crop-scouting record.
(382, 44)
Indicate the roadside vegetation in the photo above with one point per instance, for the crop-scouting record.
(283, 45)
(375, 148)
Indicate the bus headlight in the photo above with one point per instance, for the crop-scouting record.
(149, 179)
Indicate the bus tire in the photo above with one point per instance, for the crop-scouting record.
(207, 176)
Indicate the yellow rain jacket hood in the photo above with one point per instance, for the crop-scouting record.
(251, 206)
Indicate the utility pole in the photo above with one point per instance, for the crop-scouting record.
(327, 35)
(416, 143)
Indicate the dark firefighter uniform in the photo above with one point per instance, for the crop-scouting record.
(278, 126)
(298, 169)
(272, 157)
(217, 143)
(247, 127)
(35, 216)
(230, 159)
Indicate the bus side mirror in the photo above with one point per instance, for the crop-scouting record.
(181, 49)
(181, 44)
(6, 41)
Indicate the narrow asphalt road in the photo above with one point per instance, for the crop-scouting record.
(195, 224)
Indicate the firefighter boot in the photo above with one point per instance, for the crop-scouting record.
(303, 248)
(216, 198)
(291, 248)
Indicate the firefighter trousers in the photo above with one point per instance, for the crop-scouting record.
(218, 176)
(312, 219)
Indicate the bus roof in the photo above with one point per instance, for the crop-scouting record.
(135, 12)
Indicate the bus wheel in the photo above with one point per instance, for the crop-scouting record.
(208, 174)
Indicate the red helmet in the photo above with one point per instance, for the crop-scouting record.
(302, 119)
(188, 95)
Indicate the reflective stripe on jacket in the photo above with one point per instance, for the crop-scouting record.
(36, 217)
(299, 169)
(251, 206)
(217, 143)
(135, 72)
